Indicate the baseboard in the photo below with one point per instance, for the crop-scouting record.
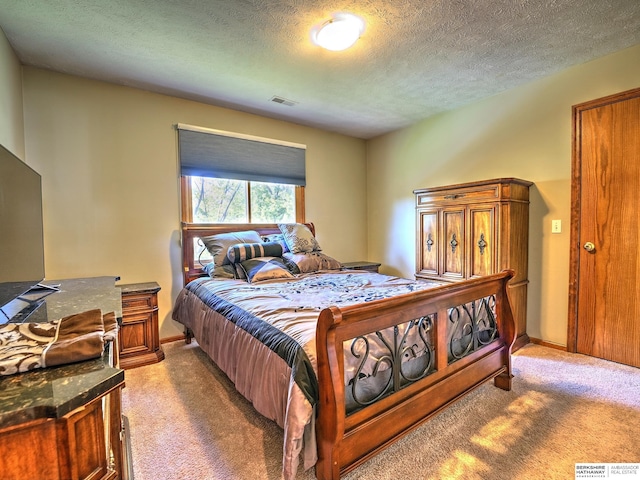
(557, 346)
(172, 339)
(520, 342)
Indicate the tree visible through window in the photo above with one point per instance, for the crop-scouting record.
(272, 202)
(228, 177)
(216, 200)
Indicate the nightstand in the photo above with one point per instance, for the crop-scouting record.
(370, 266)
(139, 341)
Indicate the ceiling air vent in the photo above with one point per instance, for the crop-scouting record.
(283, 101)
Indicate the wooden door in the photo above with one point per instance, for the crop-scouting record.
(605, 259)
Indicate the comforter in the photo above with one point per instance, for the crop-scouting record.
(262, 335)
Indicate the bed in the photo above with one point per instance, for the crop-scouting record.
(346, 362)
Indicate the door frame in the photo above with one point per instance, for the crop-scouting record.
(576, 185)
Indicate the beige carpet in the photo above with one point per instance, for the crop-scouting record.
(187, 422)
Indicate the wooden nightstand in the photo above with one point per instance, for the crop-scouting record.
(138, 336)
(370, 266)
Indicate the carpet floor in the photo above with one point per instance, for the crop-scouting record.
(188, 422)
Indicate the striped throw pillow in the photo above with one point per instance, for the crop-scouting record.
(244, 251)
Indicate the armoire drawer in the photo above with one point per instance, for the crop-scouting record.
(466, 195)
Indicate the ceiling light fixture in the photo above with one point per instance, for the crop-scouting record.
(339, 33)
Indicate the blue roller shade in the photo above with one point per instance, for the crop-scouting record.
(221, 155)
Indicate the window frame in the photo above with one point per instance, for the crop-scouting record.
(187, 204)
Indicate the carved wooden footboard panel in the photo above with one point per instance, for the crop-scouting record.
(461, 336)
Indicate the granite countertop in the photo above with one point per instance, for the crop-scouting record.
(139, 287)
(74, 295)
(79, 295)
(55, 391)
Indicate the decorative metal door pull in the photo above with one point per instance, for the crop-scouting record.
(429, 243)
(482, 244)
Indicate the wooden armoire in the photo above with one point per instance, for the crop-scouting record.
(474, 229)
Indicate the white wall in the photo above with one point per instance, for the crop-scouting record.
(11, 119)
(525, 133)
(108, 159)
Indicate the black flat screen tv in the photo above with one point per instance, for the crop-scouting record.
(21, 228)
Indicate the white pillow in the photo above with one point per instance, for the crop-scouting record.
(299, 238)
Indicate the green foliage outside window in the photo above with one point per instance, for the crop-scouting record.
(272, 203)
(216, 200)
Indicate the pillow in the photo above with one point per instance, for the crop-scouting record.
(245, 251)
(265, 268)
(299, 238)
(277, 238)
(312, 261)
(223, 271)
(219, 244)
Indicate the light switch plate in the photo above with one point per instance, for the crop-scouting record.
(556, 226)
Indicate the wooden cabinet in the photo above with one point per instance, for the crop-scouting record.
(65, 422)
(474, 229)
(369, 266)
(138, 336)
(71, 447)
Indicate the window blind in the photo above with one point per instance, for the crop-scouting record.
(213, 153)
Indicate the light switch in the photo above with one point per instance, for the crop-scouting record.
(556, 226)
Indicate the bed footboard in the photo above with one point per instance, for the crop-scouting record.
(462, 336)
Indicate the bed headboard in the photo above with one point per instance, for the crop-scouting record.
(191, 232)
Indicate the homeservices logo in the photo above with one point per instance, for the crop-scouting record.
(607, 470)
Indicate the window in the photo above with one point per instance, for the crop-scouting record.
(229, 178)
(218, 200)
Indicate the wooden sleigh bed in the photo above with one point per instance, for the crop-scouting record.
(465, 332)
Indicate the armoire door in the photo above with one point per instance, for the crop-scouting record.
(604, 299)
(482, 251)
(453, 245)
(428, 242)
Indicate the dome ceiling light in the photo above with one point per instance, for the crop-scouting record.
(339, 33)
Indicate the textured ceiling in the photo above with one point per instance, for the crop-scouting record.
(416, 58)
